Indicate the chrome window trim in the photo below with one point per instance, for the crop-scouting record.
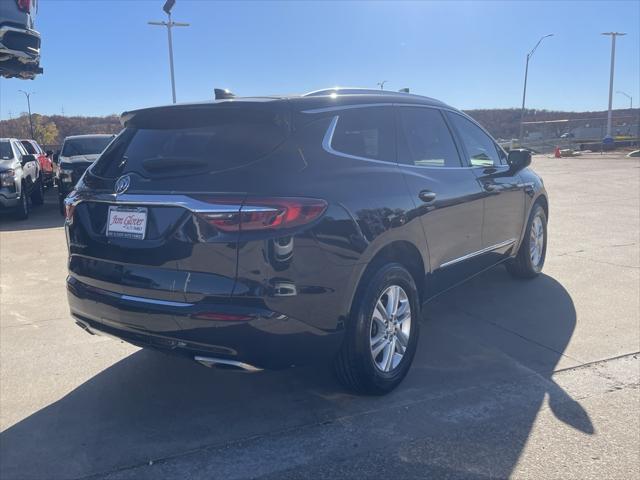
(328, 136)
(479, 252)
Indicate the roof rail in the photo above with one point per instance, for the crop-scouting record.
(349, 91)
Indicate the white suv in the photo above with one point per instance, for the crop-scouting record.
(20, 178)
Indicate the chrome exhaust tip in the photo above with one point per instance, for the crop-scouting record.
(226, 364)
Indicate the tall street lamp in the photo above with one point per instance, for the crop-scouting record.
(613, 36)
(628, 96)
(524, 91)
(28, 95)
(170, 24)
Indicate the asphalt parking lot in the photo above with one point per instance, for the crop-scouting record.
(536, 379)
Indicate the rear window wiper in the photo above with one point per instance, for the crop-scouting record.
(165, 163)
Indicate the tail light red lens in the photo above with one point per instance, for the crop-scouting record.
(268, 214)
(24, 5)
(69, 208)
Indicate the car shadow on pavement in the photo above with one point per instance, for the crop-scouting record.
(487, 352)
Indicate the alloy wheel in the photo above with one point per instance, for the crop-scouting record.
(536, 240)
(390, 328)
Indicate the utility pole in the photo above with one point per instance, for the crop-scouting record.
(170, 24)
(381, 84)
(28, 95)
(613, 36)
(524, 90)
(628, 96)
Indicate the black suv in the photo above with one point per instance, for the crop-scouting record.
(266, 232)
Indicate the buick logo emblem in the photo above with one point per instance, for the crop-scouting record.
(122, 184)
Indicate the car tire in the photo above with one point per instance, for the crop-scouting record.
(529, 261)
(22, 211)
(363, 364)
(37, 195)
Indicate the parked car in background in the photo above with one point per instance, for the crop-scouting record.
(44, 159)
(19, 41)
(20, 178)
(267, 232)
(75, 156)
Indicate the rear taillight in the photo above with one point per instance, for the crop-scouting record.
(272, 213)
(24, 5)
(69, 208)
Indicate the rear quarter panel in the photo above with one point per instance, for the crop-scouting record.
(369, 207)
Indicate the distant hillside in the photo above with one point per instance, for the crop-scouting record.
(52, 129)
(501, 123)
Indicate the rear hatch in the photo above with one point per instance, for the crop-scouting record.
(154, 217)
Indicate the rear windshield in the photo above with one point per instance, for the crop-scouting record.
(195, 140)
(6, 153)
(28, 147)
(84, 146)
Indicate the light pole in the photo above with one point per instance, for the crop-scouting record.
(524, 90)
(613, 36)
(628, 96)
(170, 24)
(28, 95)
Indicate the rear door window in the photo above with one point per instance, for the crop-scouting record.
(29, 147)
(366, 133)
(188, 141)
(21, 150)
(427, 141)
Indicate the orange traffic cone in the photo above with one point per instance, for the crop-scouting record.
(557, 152)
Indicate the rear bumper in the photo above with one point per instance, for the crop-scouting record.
(20, 43)
(242, 332)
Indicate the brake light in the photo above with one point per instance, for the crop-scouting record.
(68, 212)
(69, 208)
(268, 214)
(24, 5)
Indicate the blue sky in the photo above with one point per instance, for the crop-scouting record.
(101, 57)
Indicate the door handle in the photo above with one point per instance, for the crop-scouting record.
(490, 187)
(427, 196)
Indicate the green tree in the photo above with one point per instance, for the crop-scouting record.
(45, 131)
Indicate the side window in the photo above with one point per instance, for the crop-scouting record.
(427, 139)
(19, 149)
(366, 133)
(480, 147)
(28, 147)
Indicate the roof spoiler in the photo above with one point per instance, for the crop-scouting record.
(223, 94)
